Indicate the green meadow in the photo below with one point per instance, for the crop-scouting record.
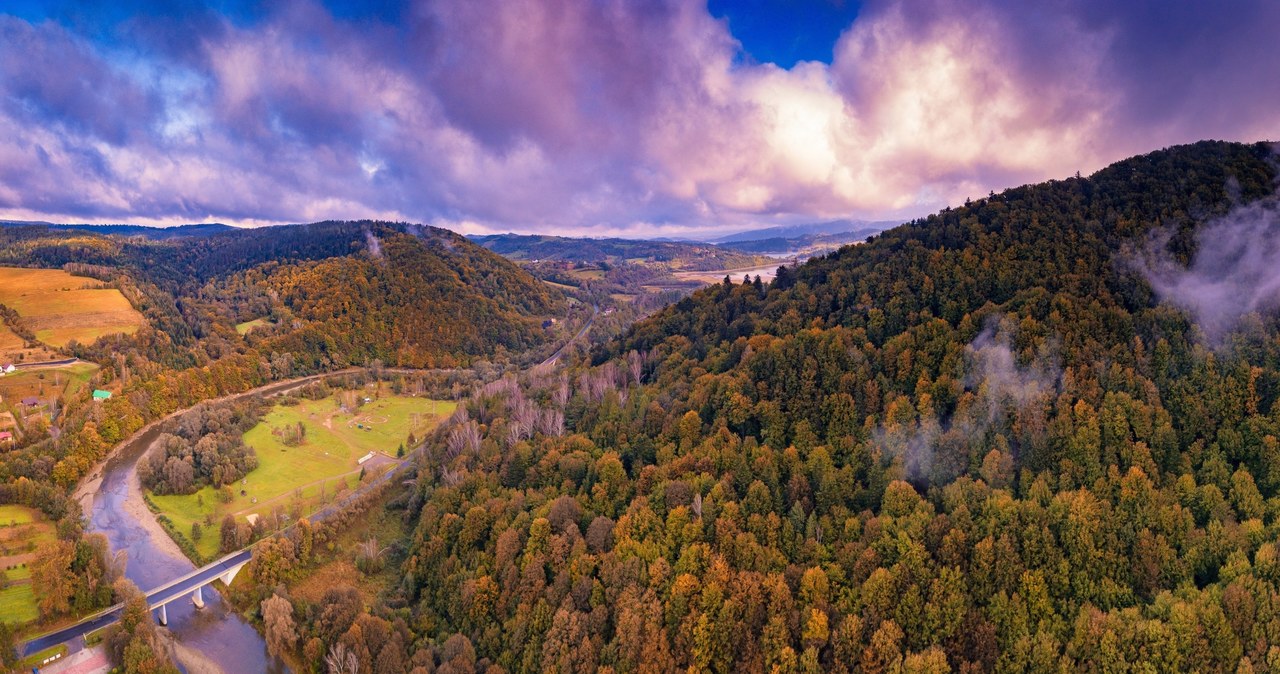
(311, 473)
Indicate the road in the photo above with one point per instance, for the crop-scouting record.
(184, 584)
(164, 594)
(46, 363)
(551, 360)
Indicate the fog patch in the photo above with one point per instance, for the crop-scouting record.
(373, 244)
(998, 390)
(1235, 270)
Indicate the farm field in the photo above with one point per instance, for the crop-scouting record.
(22, 531)
(561, 286)
(59, 307)
(14, 349)
(45, 381)
(589, 274)
(766, 274)
(307, 475)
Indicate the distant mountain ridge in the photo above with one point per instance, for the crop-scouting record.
(812, 229)
(154, 233)
(689, 255)
(334, 293)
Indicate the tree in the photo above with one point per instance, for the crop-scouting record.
(52, 580)
(277, 620)
(133, 643)
(8, 647)
(369, 555)
(341, 660)
(230, 534)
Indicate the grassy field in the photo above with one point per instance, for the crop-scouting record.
(589, 274)
(60, 307)
(10, 341)
(561, 286)
(245, 327)
(312, 472)
(18, 604)
(12, 515)
(22, 531)
(43, 383)
(14, 349)
(766, 274)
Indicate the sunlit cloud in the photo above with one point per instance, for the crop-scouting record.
(604, 117)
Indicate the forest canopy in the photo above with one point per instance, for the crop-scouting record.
(979, 442)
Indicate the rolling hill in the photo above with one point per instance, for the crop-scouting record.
(335, 293)
(1000, 438)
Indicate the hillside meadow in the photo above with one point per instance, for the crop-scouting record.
(59, 307)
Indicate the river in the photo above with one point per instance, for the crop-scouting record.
(118, 511)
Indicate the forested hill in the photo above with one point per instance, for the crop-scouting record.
(980, 442)
(329, 294)
(1018, 248)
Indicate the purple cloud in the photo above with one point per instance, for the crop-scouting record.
(608, 116)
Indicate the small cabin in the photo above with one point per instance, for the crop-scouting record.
(6, 437)
(31, 401)
(7, 368)
(99, 394)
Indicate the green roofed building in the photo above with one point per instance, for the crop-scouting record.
(99, 394)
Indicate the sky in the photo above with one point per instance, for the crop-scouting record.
(602, 117)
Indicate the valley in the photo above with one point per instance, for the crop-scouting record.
(337, 448)
(484, 337)
(878, 422)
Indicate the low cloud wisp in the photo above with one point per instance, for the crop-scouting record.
(1235, 270)
(998, 390)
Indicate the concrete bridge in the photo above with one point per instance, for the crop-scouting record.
(158, 599)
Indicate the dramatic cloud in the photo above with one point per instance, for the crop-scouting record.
(601, 117)
(1235, 269)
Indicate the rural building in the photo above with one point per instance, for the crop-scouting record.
(99, 394)
(30, 401)
(361, 461)
(6, 437)
(7, 368)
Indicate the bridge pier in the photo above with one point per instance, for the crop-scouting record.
(164, 614)
(230, 575)
(197, 597)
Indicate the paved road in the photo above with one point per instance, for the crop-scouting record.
(47, 363)
(164, 594)
(175, 589)
(560, 352)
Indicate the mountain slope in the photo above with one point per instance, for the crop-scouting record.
(977, 443)
(334, 293)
